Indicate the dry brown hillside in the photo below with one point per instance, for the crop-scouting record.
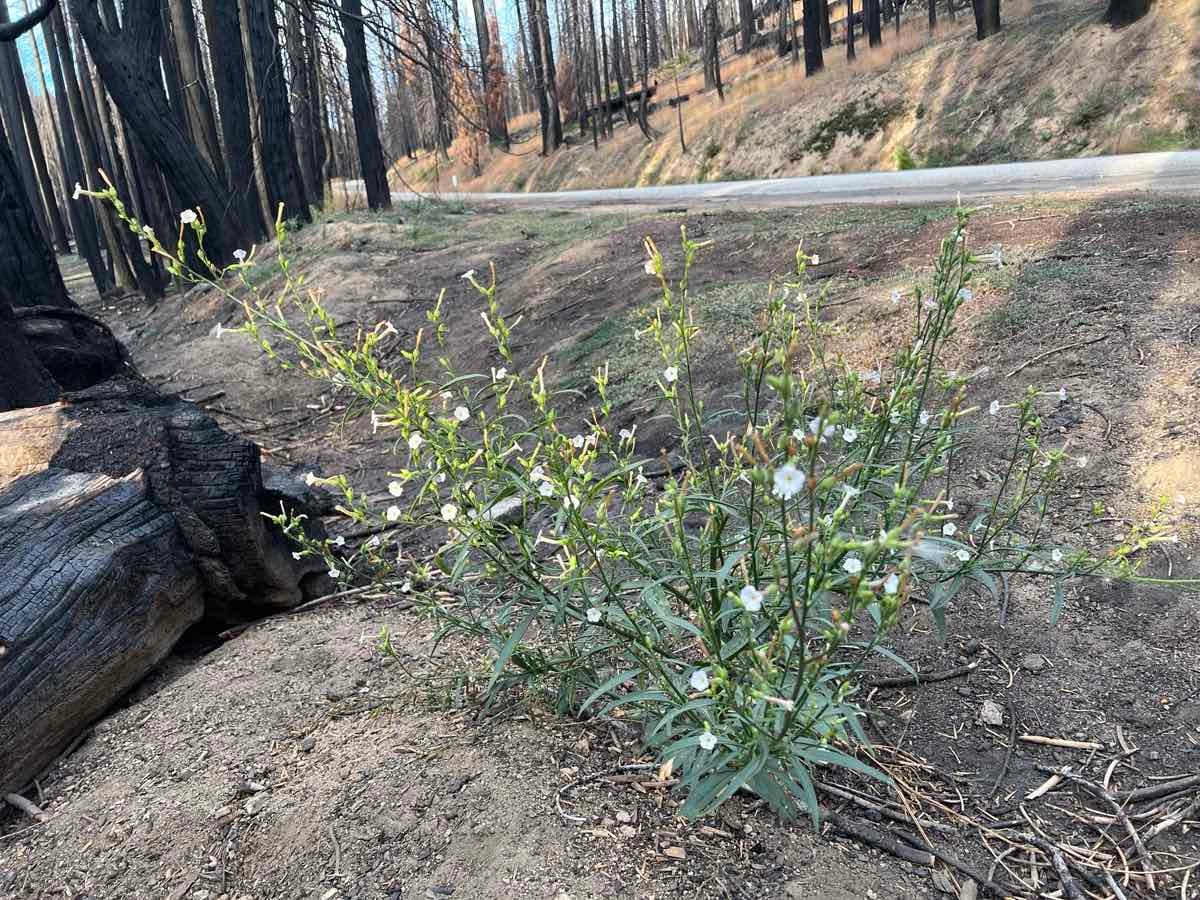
(1055, 83)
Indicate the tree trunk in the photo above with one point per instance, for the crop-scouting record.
(643, 68)
(987, 18)
(281, 169)
(874, 25)
(26, 381)
(746, 21)
(229, 81)
(608, 122)
(814, 60)
(195, 84)
(551, 74)
(302, 101)
(618, 69)
(826, 31)
(1122, 12)
(362, 101)
(82, 215)
(128, 64)
(712, 49)
(850, 54)
(932, 14)
(14, 126)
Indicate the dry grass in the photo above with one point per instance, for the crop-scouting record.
(1032, 92)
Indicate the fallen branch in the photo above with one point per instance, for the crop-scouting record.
(1048, 353)
(1162, 789)
(28, 807)
(1065, 743)
(1061, 869)
(924, 678)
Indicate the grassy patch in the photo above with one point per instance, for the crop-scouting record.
(864, 117)
(1091, 109)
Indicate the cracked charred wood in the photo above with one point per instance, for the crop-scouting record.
(209, 480)
(98, 586)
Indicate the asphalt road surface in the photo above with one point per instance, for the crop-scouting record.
(1157, 173)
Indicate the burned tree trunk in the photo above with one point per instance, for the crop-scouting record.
(1122, 12)
(987, 18)
(28, 270)
(362, 103)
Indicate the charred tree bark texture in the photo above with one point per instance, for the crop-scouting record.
(98, 586)
(362, 103)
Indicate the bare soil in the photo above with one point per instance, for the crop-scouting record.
(295, 759)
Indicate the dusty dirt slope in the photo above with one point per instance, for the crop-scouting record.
(1057, 83)
(298, 760)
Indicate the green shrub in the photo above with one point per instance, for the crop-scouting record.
(726, 599)
(903, 158)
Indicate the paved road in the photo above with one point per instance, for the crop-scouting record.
(1162, 173)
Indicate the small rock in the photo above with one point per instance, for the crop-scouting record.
(627, 831)
(991, 713)
(438, 891)
(255, 804)
(307, 744)
(675, 853)
(623, 817)
(360, 681)
(333, 695)
(1033, 662)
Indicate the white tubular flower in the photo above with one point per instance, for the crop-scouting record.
(239, 255)
(467, 275)
(1056, 556)
(297, 555)
(415, 440)
(339, 541)
(751, 597)
(648, 267)
(699, 680)
(78, 191)
(924, 418)
(461, 413)
(335, 573)
(578, 441)
(891, 584)
(966, 295)
(546, 489)
(392, 514)
(396, 488)
(449, 512)
(994, 408)
(708, 741)
(897, 296)
(594, 615)
(788, 481)
(850, 435)
(188, 217)
(310, 479)
(949, 529)
(852, 564)
(499, 374)
(963, 555)
(671, 374)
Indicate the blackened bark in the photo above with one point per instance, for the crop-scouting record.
(618, 68)
(128, 63)
(318, 128)
(874, 25)
(1122, 12)
(746, 23)
(932, 14)
(14, 126)
(304, 119)
(25, 381)
(814, 60)
(987, 18)
(281, 168)
(195, 83)
(229, 81)
(362, 101)
(550, 75)
(712, 52)
(826, 32)
(850, 54)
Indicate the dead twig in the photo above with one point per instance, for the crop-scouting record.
(1052, 352)
(924, 677)
(1065, 743)
(1012, 746)
(28, 807)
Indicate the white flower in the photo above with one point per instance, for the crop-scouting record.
(467, 275)
(239, 255)
(896, 295)
(751, 597)
(571, 502)
(537, 473)
(546, 489)
(440, 477)
(396, 488)
(335, 573)
(1057, 555)
(852, 564)
(814, 425)
(928, 303)
(339, 541)
(462, 413)
(815, 259)
(850, 435)
(383, 329)
(1062, 395)
(626, 434)
(671, 374)
(994, 408)
(449, 512)
(578, 441)
(699, 680)
(499, 374)
(966, 295)
(708, 741)
(648, 267)
(923, 418)
(297, 555)
(219, 330)
(406, 587)
(870, 376)
(788, 481)
(963, 554)
(188, 216)
(594, 615)
(851, 491)
(996, 257)
(949, 529)
(392, 514)
(891, 584)
(1082, 462)
(310, 479)
(78, 191)
(415, 440)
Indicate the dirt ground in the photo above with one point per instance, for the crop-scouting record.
(298, 760)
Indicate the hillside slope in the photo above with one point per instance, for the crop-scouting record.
(1056, 83)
